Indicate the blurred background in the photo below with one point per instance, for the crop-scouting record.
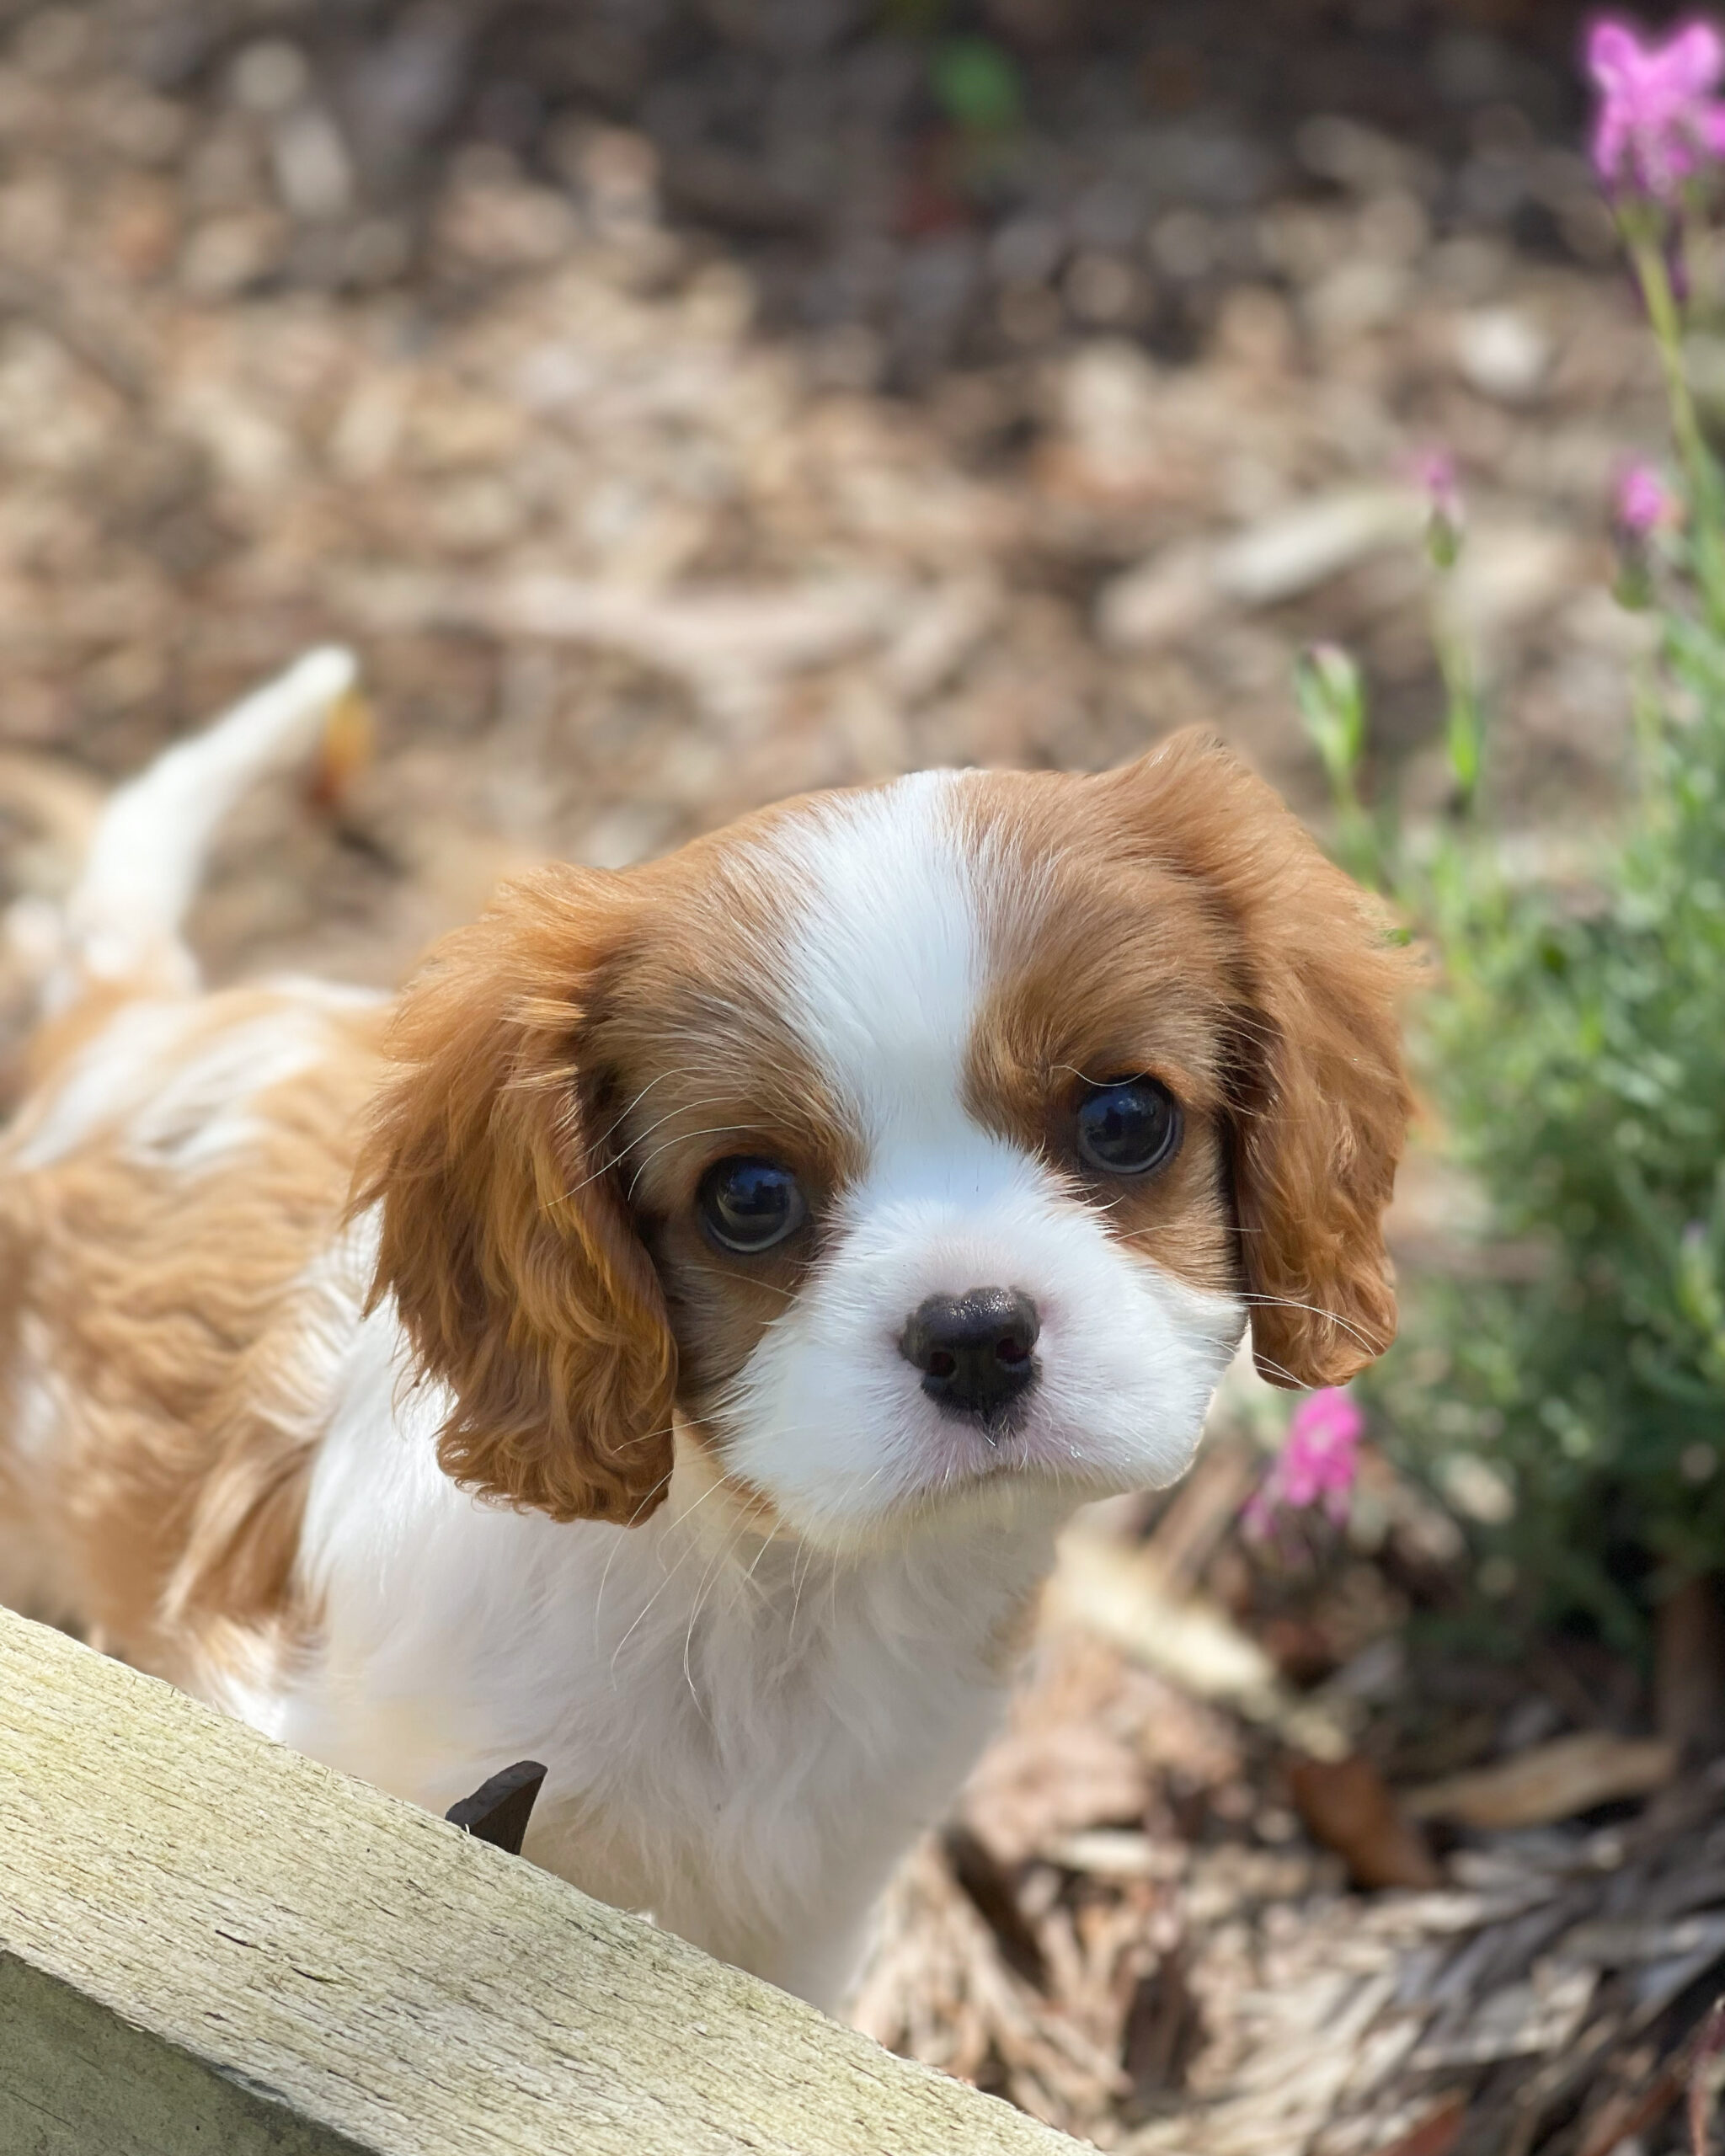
(683, 403)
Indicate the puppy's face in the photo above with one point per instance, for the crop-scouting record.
(918, 1100)
(904, 1142)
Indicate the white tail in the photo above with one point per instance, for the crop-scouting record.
(123, 920)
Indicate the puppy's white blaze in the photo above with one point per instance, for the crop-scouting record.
(886, 958)
(902, 918)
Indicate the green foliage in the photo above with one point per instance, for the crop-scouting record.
(976, 85)
(1574, 1049)
(1577, 1056)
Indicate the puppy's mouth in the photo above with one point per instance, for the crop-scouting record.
(1019, 1441)
(995, 1426)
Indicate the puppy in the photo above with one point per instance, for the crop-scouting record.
(665, 1342)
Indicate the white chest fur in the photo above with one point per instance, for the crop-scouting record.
(741, 1735)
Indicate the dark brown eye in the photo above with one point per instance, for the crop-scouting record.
(749, 1205)
(1129, 1128)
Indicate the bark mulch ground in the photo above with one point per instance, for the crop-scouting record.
(681, 406)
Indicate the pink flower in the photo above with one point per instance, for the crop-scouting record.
(1318, 1461)
(1435, 474)
(1434, 470)
(1656, 121)
(1644, 501)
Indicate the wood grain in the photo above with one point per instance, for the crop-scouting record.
(209, 1944)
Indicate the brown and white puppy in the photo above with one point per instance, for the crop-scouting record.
(665, 1343)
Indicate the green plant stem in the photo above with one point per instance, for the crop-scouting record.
(1359, 845)
(1464, 732)
(1702, 473)
(1358, 842)
(1649, 737)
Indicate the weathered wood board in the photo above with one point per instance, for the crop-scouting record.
(211, 1946)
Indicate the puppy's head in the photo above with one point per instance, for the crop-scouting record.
(901, 1142)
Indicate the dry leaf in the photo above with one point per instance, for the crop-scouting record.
(1548, 1783)
(1347, 1805)
(348, 745)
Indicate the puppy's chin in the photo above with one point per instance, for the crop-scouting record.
(1008, 1502)
(932, 1482)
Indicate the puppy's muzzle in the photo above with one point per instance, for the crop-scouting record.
(974, 1352)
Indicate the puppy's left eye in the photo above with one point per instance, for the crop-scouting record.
(749, 1205)
(1130, 1128)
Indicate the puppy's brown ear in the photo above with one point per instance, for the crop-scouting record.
(1322, 1102)
(504, 1239)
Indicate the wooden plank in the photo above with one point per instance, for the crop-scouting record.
(75, 2078)
(208, 1943)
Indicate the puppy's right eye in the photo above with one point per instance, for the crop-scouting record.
(1129, 1128)
(749, 1205)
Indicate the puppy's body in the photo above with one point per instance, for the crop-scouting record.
(517, 1455)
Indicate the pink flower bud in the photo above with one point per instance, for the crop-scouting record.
(1644, 501)
(1435, 473)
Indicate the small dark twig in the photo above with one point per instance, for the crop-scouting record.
(499, 1810)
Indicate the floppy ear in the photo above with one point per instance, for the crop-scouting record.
(1321, 1100)
(504, 1240)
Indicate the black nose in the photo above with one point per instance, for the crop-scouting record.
(974, 1350)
